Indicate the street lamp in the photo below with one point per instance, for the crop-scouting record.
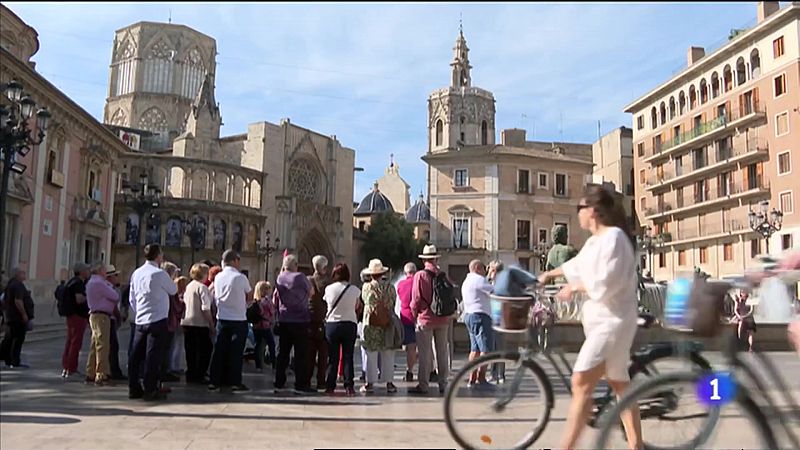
(764, 221)
(267, 250)
(194, 233)
(142, 197)
(16, 139)
(647, 242)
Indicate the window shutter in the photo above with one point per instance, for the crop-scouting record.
(741, 105)
(755, 99)
(759, 174)
(745, 178)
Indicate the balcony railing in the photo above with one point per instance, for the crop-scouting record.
(523, 244)
(691, 199)
(706, 127)
(738, 222)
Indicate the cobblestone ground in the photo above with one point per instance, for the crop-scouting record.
(39, 410)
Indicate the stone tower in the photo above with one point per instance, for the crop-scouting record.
(157, 71)
(395, 187)
(460, 115)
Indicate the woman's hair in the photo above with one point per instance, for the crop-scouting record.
(607, 210)
(182, 282)
(340, 273)
(262, 288)
(212, 272)
(199, 272)
(170, 268)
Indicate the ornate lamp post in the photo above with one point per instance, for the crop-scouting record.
(647, 242)
(16, 139)
(764, 221)
(142, 197)
(267, 250)
(194, 233)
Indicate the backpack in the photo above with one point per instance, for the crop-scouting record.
(254, 312)
(443, 303)
(60, 295)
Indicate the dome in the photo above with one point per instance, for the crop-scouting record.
(419, 213)
(373, 203)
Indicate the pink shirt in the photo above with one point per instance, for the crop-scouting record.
(404, 294)
(101, 295)
(421, 296)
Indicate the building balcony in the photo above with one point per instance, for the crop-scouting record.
(722, 158)
(696, 202)
(706, 132)
(738, 224)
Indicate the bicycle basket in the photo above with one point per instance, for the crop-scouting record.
(695, 306)
(510, 314)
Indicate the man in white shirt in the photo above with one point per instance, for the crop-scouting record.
(149, 298)
(231, 291)
(475, 292)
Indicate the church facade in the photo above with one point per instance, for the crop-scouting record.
(490, 200)
(281, 180)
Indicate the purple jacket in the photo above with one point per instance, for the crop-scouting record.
(291, 297)
(101, 295)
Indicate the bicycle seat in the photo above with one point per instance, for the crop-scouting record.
(646, 320)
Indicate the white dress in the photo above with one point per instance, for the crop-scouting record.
(606, 268)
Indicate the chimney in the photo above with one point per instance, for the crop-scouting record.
(694, 54)
(766, 9)
(513, 137)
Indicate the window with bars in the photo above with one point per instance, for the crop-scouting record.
(460, 232)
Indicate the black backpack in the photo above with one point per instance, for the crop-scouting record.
(254, 313)
(443, 303)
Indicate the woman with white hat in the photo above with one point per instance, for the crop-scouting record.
(379, 299)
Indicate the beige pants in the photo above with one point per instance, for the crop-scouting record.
(99, 349)
(428, 337)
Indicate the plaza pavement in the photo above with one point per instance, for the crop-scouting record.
(38, 410)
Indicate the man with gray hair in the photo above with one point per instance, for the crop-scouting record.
(318, 309)
(231, 292)
(102, 299)
(291, 298)
(407, 318)
(17, 318)
(475, 291)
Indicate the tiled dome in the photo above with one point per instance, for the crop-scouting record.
(373, 203)
(419, 213)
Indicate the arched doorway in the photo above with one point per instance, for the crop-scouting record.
(314, 243)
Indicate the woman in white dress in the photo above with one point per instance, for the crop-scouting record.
(605, 270)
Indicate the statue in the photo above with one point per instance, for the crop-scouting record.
(561, 251)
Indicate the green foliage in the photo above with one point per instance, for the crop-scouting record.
(391, 239)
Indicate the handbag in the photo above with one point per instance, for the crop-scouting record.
(336, 303)
(379, 316)
(397, 333)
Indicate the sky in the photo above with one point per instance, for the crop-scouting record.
(364, 71)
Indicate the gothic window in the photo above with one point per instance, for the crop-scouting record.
(439, 132)
(124, 69)
(303, 180)
(158, 69)
(153, 120)
(220, 233)
(118, 118)
(237, 236)
(484, 133)
(193, 73)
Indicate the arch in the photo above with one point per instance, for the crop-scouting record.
(304, 179)
(662, 109)
(714, 85)
(199, 184)
(692, 97)
(174, 234)
(238, 190)
(159, 66)
(741, 72)
(118, 118)
(201, 224)
(439, 132)
(194, 70)
(152, 234)
(727, 78)
(484, 133)
(681, 103)
(255, 194)
(703, 91)
(252, 237)
(220, 231)
(755, 64)
(125, 50)
(237, 238)
(220, 187)
(671, 107)
(313, 243)
(178, 182)
(153, 119)
(653, 118)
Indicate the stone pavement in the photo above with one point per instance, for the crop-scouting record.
(39, 410)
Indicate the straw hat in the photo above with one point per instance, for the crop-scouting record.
(111, 270)
(429, 252)
(375, 268)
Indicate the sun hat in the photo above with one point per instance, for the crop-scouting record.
(375, 267)
(429, 252)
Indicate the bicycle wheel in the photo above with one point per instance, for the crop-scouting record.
(663, 426)
(511, 415)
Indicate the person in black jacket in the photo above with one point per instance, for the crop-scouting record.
(18, 310)
(77, 312)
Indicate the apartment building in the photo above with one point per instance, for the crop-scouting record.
(718, 139)
(612, 156)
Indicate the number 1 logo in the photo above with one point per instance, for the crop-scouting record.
(716, 389)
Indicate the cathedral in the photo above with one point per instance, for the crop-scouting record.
(272, 188)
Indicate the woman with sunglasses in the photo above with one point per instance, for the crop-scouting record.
(605, 270)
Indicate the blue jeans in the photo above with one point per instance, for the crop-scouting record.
(264, 338)
(481, 333)
(227, 356)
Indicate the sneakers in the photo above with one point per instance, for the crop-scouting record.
(409, 376)
(239, 388)
(367, 389)
(391, 388)
(417, 390)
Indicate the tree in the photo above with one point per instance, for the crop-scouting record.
(391, 239)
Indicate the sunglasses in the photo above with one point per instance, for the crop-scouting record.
(580, 207)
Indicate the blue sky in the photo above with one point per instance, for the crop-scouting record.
(364, 71)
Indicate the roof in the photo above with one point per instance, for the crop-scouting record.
(572, 152)
(419, 212)
(373, 203)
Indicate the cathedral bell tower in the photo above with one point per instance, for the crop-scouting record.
(460, 115)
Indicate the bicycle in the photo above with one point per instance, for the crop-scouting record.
(743, 375)
(529, 391)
